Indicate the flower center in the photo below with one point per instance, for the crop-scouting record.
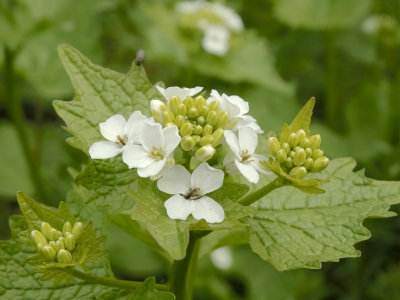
(157, 153)
(193, 193)
(122, 140)
(245, 155)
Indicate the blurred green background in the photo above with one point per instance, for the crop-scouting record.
(346, 53)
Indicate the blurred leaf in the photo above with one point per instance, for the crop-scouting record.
(386, 285)
(148, 292)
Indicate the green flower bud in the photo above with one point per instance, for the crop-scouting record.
(205, 153)
(181, 110)
(211, 118)
(186, 129)
(49, 252)
(179, 120)
(309, 152)
(291, 154)
(70, 242)
(169, 124)
(281, 156)
(207, 130)
(273, 145)
(198, 130)
(218, 136)
(39, 239)
(286, 147)
(213, 106)
(201, 120)
(298, 172)
(46, 228)
(55, 234)
(320, 164)
(77, 229)
(196, 138)
(293, 140)
(174, 103)
(66, 228)
(206, 140)
(200, 102)
(60, 244)
(64, 257)
(192, 113)
(231, 124)
(189, 102)
(289, 162)
(157, 108)
(299, 157)
(203, 111)
(222, 119)
(53, 245)
(308, 163)
(305, 143)
(168, 116)
(187, 143)
(301, 134)
(315, 141)
(317, 153)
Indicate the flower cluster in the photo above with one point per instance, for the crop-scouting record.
(54, 244)
(188, 129)
(215, 20)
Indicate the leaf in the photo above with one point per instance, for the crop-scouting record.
(296, 230)
(20, 281)
(147, 291)
(99, 94)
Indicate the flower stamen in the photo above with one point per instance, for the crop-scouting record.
(157, 153)
(121, 140)
(192, 194)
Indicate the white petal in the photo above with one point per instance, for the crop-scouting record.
(161, 90)
(216, 39)
(230, 17)
(256, 158)
(134, 125)
(190, 7)
(151, 136)
(232, 142)
(209, 210)
(232, 108)
(248, 121)
(153, 169)
(214, 96)
(113, 127)
(238, 101)
(136, 157)
(229, 164)
(207, 178)
(248, 172)
(247, 139)
(104, 149)
(222, 258)
(179, 208)
(175, 180)
(181, 93)
(171, 138)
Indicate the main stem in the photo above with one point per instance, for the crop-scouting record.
(182, 271)
(253, 197)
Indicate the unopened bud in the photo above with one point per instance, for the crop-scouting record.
(201, 120)
(179, 120)
(170, 162)
(315, 141)
(64, 257)
(273, 145)
(320, 164)
(205, 153)
(203, 111)
(77, 229)
(305, 143)
(196, 138)
(317, 153)
(293, 140)
(308, 163)
(197, 130)
(299, 157)
(46, 228)
(301, 134)
(70, 242)
(218, 136)
(289, 162)
(206, 140)
(174, 103)
(157, 108)
(207, 130)
(222, 119)
(67, 228)
(291, 154)
(286, 147)
(168, 116)
(169, 124)
(309, 152)
(186, 129)
(213, 106)
(298, 172)
(211, 118)
(49, 252)
(200, 102)
(281, 156)
(187, 143)
(54, 245)
(192, 113)
(39, 239)
(55, 234)
(189, 102)
(60, 244)
(182, 109)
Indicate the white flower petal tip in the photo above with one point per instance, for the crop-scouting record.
(208, 209)
(222, 258)
(216, 39)
(179, 92)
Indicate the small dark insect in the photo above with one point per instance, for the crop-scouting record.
(139, 57)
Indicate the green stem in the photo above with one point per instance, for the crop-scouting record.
(182, 271)
(123, 284)
(253, 197)
(15, 112)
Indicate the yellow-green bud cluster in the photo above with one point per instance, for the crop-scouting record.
(299, 153)
(200, 125)
(54, 244)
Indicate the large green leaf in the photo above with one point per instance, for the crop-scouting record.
(297, 230)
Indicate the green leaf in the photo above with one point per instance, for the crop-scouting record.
(99, 94)
(148, 292)
(297, 230)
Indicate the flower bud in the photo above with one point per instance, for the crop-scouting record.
(308, 163)
(189, 102)
(46, 228)
(48, 252)
(290, 154)
(205, 153)
(168, 116)
(301, 134)
(218, 136)
(289, 162)
(222, 119)
(305, 143)
(320, 164)
(201, 120)
(293, 140)
(169, 124)
(70, 242)
(60, 244)
(197, 130)
(39, 239)
(179, 120)
(231, 124)
(207, 130)
(211, 118)
(196, 138)
(315, 141)
(174, 103)
(157, 108)
(66, 228)
(55, 234)
(281, 156)
(192, 113)
(206, 140)
(299, 157)
(273, 145)
(200, 102)
(186, 129)
(203, 111)
(182, 109)
(298, 172)
(286, 147)
(187, 143)
(213, 106)
(54, 245)
(309, 152)
(317, 153)
(64, 257)
(77, 229)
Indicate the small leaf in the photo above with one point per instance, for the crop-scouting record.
(147, 291)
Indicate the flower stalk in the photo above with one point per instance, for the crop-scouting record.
(258, 194)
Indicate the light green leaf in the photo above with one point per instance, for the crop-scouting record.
(148, 292)
(297, 230)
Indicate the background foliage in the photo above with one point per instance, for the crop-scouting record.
(289, 51)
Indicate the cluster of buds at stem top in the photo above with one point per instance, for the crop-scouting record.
(54, 244)
(299, 154)
(201, 125)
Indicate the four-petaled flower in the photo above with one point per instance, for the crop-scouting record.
(156, 145)
(243, 158)
(189, 191)
(119, 134)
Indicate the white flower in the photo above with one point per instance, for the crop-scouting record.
(231, 19)
(181, 93)
(222, 258)
(237, 109)
(243, 158)
(189, 191)
(190, 7)
(156, 146)
(216, 39)
(119, 134)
